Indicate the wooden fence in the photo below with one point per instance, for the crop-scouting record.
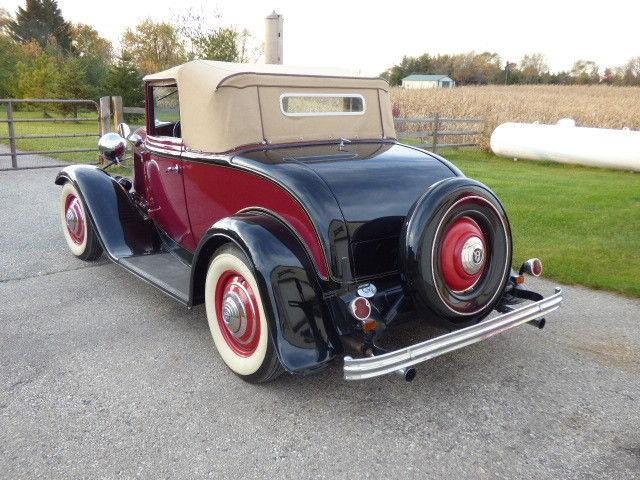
(437, 132)
(69, 113)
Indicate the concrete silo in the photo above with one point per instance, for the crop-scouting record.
(273, 38)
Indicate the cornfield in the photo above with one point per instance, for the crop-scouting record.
(592, 106)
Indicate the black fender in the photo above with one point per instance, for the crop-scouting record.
(122, 229)
(289, 286)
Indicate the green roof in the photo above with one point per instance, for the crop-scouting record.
(427, 78)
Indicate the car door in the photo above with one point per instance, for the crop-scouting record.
(163, 168)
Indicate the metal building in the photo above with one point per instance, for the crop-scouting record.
(427, 81)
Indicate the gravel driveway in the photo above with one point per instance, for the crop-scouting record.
(103, 376)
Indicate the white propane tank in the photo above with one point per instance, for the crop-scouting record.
(566, 143)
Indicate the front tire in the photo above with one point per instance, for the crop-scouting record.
(76, 227)
(237, 318)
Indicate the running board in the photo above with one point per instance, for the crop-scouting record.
(163, 270)
(368, 367)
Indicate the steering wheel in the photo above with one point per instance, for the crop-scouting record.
(176, 129)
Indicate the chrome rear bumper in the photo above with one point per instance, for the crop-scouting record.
(368, 367)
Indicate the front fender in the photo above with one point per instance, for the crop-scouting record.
(121, 228)
(290, 288)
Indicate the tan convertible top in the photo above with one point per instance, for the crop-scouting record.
(227, 105)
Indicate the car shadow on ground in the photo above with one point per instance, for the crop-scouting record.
(446, 370)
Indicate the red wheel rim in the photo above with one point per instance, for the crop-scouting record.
(74, 219)
(463, 256)
(237, 313)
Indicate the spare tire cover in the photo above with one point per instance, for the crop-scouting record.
(455, 252)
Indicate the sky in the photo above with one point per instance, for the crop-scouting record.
(370, 36)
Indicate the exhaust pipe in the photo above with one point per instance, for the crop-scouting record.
(358, 347)
(409, 373)
(538, 322)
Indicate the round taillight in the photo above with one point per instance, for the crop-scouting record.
(360, 308)
(532, 266)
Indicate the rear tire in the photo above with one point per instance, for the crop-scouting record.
(76, 226)
(237, 319)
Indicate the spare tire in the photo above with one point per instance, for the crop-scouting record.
(455, 252)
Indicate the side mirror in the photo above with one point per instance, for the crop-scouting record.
(112, 147)
(125, 132)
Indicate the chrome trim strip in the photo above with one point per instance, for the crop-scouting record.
(368, 367)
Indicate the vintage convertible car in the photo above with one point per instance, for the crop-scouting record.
(280, 198)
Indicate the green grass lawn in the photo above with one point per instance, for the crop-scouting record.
(584, 223)
(50, 128)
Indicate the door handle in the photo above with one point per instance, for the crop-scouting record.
(174, 169)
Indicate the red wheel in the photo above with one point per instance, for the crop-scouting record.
(76, 227)
(238, 313)
(237, 319)
(463, 255)
(74, 219)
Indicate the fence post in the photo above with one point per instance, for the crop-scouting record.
(116, 106)
(12, 135)
(436, 128)
(105, 115)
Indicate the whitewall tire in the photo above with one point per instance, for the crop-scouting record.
(76, 226)
(237, 318)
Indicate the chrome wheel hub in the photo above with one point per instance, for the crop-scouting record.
(473, 255)
(234, 315)
(72, 219)
(237, 313)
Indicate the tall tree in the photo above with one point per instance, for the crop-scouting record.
(5, 20)
(42, 21)
(249, 49)
(38, 78)
(10, 54)
(632, 72)
(206, 37)
(585, 72)
(533, 67)
(218, 45)
(153, 46)
(124, 79)
(609, 77)
(88, 43)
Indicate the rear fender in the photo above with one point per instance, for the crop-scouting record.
(122, 229)
(288, 282)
